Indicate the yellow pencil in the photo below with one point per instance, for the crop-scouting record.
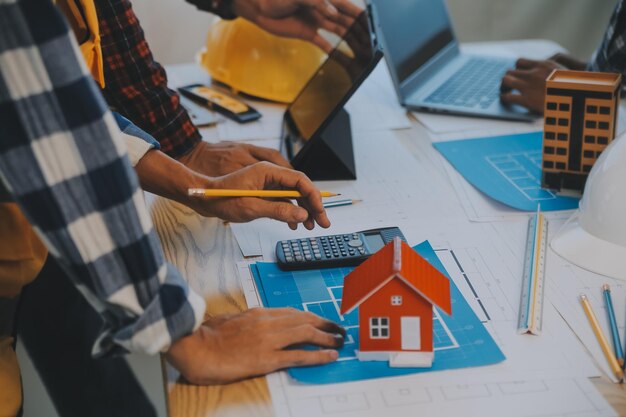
(604, 344)
(203, 192)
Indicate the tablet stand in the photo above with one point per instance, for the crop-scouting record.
(330, 157)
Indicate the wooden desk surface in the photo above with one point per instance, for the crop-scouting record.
(206, 253)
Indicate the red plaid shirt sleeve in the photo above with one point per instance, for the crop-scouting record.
(136, 85)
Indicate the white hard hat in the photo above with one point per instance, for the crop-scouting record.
(594, 238)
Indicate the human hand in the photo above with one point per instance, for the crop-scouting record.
(256, 342)
(529, 79)
(263, 176)
(300, 19)
(569, 62)
(222, 158)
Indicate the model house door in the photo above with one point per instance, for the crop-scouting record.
(410, 327)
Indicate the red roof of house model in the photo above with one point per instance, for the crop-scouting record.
(396, 260)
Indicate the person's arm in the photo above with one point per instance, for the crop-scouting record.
(63, 161)
(611, 54)
(300, 19)
(138, 142)
(136, 86)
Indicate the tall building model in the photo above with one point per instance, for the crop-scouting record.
(580, 121)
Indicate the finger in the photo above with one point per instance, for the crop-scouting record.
(347, 7)
(315, 216)
(330, 25)
(280, 210)
(311, 199)
(322, 43)
(525, 63)
(511, 83)
(512, 98)
(518, 73)
(270, 155)
(307, 334)
(291, 358)
(290, 317)
(323, 6)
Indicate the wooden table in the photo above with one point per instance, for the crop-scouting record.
(206, 253)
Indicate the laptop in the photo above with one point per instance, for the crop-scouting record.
(428, 69)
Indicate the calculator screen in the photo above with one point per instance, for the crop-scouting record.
(374, 242)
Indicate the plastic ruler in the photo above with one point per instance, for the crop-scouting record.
(531, 301)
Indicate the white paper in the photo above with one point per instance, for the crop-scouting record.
(544, 375)
(566, 282)
(442, 124)
(392, 186)
(267, 127)
(375, 105)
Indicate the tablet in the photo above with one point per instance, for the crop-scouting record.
(324, 96)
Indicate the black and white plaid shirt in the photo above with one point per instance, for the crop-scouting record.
(63, 161)
(611, 55)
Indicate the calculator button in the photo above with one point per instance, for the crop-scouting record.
(346, 237)
(355, 236)
(362, 251)
(318, 256)
(355, 243)
(308, 257)
(289, 258)
(299, 258)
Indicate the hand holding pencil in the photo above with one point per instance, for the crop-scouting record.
(261, 190)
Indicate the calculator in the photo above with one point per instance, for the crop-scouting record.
(333, 251)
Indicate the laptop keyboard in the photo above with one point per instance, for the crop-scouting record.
(475, 85)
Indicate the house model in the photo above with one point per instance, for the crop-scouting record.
(395, 291)
(580, 121)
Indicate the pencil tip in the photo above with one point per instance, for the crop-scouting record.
(356, 201)
(606, 287)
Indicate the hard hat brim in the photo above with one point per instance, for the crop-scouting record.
(576, 245)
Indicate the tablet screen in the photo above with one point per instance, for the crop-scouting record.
(332, 83)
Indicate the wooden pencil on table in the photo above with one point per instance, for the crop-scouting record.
(204, 192)
(604, 344)
(617, 343)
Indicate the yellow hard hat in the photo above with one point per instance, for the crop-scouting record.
(253, 61)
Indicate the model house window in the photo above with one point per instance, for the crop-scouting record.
(396, 300)
(379, 327)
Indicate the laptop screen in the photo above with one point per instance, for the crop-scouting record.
(414, 31)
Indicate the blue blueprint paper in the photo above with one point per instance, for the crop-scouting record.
(460, 340)
(507, 169)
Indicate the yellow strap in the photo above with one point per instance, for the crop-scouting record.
(11, 391)
(22, 254)
(83, 19)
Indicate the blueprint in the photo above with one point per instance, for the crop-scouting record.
(544, 375)
(460, 340)
(507, 169)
